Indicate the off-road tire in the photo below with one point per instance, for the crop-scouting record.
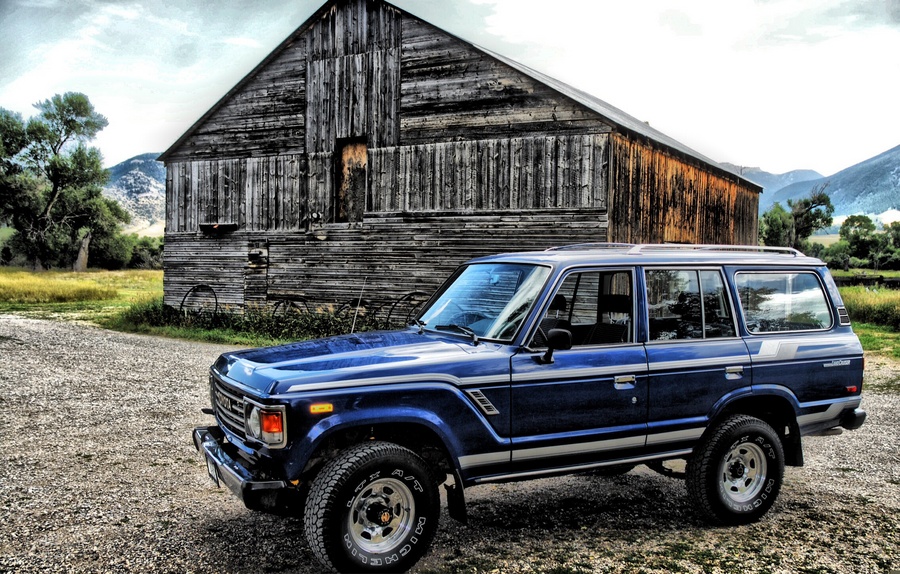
(736, 471)
(374, 508)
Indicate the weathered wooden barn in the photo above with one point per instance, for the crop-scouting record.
(372, 152)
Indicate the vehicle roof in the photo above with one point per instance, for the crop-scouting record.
(658, 254)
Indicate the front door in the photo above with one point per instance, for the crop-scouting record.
(590, 404)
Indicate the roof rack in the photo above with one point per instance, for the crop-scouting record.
(688, 247)
(589, 246)
(642, 247)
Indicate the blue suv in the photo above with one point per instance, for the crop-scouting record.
(582, 358)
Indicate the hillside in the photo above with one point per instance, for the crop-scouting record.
(773, 182)
(139, 185)
(870, 187)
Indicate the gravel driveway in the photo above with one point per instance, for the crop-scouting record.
(98, 474)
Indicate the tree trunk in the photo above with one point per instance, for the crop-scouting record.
(81, 262)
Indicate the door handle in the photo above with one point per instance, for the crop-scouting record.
(735, 372)
(624, 382)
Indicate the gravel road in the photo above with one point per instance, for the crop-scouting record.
(98, 474)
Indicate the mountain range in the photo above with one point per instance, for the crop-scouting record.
(871, 187)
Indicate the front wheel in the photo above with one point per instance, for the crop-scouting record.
(736, 472)
(374, 508)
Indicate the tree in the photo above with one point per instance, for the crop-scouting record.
(51, 182)
(810, 214)
(775, 226)
(859, 232)
(792, 227)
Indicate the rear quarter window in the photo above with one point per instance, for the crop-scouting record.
(776, 302)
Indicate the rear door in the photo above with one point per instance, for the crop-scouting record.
(695, 356)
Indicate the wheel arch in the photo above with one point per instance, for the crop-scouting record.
(775, 410)
(416, 435)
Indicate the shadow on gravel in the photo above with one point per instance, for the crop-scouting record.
(504, 522)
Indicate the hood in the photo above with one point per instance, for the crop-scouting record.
(275, 370)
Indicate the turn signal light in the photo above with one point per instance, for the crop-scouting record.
(271, 422)
(321, 408)
(852, 389)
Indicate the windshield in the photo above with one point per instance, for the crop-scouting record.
(488, 300)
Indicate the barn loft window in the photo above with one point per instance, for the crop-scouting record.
(350, 193)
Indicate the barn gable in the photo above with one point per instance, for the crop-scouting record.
(371, 131)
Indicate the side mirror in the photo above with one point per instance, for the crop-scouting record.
(557, 340)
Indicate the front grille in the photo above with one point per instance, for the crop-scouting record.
(229, 404)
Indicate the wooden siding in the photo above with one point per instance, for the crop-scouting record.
(533, 173)
(292, 193)
(658, 198)
(266, 116)
(451, 91)
(255, 194)
(390, 255)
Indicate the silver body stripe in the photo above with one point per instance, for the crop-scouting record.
(580, 373)
(416, 378)
(693, 363)
(783, 349)
(831, 413)
(579, 448)
(675, 436)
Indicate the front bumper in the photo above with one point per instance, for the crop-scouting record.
(256, 494)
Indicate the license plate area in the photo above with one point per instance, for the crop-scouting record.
(211, 469)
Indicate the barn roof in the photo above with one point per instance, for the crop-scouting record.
(610, 113)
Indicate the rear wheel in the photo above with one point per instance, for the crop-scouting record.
(374, 508)
(736, 472)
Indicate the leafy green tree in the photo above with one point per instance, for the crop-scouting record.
(792, 227)
(810, 214)
(859, 232)
(893, 231)
(51, 182)
(775, 226)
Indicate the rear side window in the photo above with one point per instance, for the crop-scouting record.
(688, 304)
(781, 302)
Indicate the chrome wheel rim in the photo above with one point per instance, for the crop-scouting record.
(381, 515)
(743, 472)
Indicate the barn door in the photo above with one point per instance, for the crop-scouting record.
(350, 196)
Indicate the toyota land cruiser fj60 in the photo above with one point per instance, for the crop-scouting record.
(525, 365)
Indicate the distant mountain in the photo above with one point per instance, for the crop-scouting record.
(139, 185)
(871, 187)
(773, 182)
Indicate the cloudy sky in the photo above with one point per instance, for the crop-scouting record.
(777, 84)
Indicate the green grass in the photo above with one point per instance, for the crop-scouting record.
(60, 292)
(876, 306)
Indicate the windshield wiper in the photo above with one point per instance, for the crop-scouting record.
(461, 329)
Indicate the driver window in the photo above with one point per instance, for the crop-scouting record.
(595, 306)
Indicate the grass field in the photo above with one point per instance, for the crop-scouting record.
(92, 296)
(124, 300)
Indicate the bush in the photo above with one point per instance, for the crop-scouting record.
(254, 322)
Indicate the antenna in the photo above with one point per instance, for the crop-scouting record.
(358, 303)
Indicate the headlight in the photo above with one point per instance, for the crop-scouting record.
(265, 424)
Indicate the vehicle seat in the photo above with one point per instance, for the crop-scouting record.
(552, 319)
